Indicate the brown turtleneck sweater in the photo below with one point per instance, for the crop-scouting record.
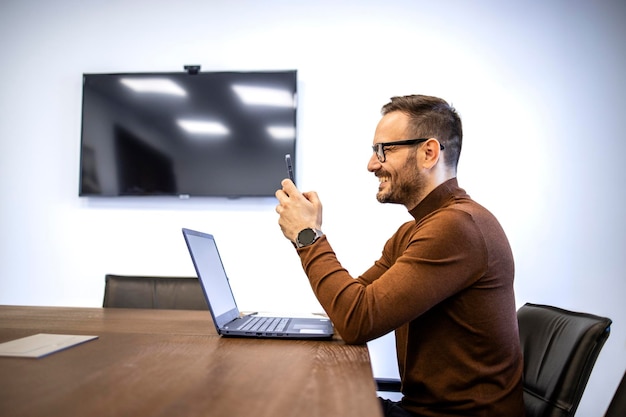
(444, 283)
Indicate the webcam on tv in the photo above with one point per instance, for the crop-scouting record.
(192, 69)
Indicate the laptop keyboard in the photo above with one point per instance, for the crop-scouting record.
(265, 324)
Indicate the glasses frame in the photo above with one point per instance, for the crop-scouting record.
(379, 148)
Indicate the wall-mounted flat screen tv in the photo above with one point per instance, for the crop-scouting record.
(218, 134)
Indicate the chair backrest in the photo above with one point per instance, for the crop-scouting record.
(617, 407)
(560, 348)
(178, 293)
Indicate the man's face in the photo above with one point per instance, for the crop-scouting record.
(399, 177)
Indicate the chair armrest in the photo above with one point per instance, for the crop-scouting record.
(388, 384)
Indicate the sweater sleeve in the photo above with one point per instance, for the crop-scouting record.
(421, 265)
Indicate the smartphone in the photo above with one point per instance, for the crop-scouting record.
(289, 167)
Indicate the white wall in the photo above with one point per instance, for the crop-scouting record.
(539, 85)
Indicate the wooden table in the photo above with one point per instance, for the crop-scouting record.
(172, 363)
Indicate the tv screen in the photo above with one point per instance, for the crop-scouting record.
(187, 134)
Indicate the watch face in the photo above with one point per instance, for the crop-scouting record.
(306, 237)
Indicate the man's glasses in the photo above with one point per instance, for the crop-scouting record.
(379, 148)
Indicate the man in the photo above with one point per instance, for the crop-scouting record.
(444, 282)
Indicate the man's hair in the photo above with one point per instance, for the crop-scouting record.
(431, 117)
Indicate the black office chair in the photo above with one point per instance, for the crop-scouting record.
(178, 293)
(617, 407)
(560, 348)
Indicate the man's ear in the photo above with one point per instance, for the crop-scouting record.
(431, 152)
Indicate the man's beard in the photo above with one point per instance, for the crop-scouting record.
(403, 188)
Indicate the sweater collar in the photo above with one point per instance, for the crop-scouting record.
(436, 199)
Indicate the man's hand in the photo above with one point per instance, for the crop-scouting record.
(297, 210)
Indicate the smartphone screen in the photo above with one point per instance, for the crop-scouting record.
(289, 168)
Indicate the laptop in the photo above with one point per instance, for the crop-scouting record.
(227, 318)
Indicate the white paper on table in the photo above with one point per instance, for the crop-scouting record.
(41, 344)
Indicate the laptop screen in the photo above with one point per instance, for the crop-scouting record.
(211, 273)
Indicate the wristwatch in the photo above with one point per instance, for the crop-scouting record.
(308, 237)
